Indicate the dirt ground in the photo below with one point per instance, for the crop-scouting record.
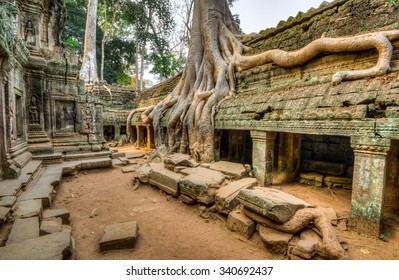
(171, 230)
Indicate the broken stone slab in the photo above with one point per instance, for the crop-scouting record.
(164, 179)
(200, 187)
(271, 203)
(186, 199)
(216, 176)
(338, 182)
(132, 161)
(117, 155)
(50, 226)
(7, 201)
(44, 192)
(71, 168)
(128, 169)
(312, 179)
(95, 163)
(134, 155)
(324, 167)
(85, 155)
(117, 162)
(275, 241)
(241, 224)
(308, 245)
(4, 214)
(57, 213)
(56, 246)
(28, 208)
(143, 173)
(226, 197)
(235, 170)
(23, 229)
(173, 160)
(119, 236)
(124, 160)
(11, 187)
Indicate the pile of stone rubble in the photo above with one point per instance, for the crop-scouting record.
(227, 187)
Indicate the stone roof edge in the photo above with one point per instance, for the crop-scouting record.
(298, 19)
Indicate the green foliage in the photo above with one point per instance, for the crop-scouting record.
(244, 85)
(393, 2)
(124, 79)
(383, 237)
(167, 66)
(71, 42)
(363, 29)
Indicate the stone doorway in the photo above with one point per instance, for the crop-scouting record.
(234, 146)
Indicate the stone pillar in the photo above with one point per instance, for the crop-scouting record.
(148, 137)
(117, 133)
(262, 156)
(289, 156)
(369, 177)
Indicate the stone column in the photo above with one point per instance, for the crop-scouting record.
(262, 156)
(368, 188)
(148, 137)
(289, 156)
(117, 133)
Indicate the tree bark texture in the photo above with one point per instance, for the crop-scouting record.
(88, 72)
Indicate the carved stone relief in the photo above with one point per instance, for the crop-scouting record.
(33, 110)
(65, 116)
(30, 34)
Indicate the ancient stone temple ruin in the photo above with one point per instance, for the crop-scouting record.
(293, 123)
(323, 122)
(44, 107)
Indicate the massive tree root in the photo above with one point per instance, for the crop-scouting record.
(379, 41)
(305, 218)
(208, 78)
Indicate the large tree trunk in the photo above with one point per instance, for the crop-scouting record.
(88, 72)
(205, 82)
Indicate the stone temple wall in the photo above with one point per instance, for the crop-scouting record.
(44, 107)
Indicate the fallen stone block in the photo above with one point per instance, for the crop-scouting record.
(50, 226)
(226, 197)
(57, 213)
(44, 192)
(235, 170)
(323, 167)
(132, 161)
(200, 187)
(4, 214)
(338, 182)
(119, 236)
(117, 162)
(117, 155)
(271, 203)
(186, 199)
(312, 179)
(128, 169)
(56, 246)
(275, 241)
(173, 160)
(28, 208)
(124, 160)
(308, 245)
(133, 155)
(96, 163)
(143, 173)
(7, 201)
(164, 179)
(23, 229)
(241, 224)
(205, 172)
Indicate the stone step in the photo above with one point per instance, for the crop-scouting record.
(43, 188)
(134, 155)
(57, 213)
(28, 208)
(23, 229)
(41, 148)
(117, 155)
(87, 155)
(96, 163)
(56, 246)
(52, 158)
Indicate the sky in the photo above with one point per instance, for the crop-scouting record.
(256, 15)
